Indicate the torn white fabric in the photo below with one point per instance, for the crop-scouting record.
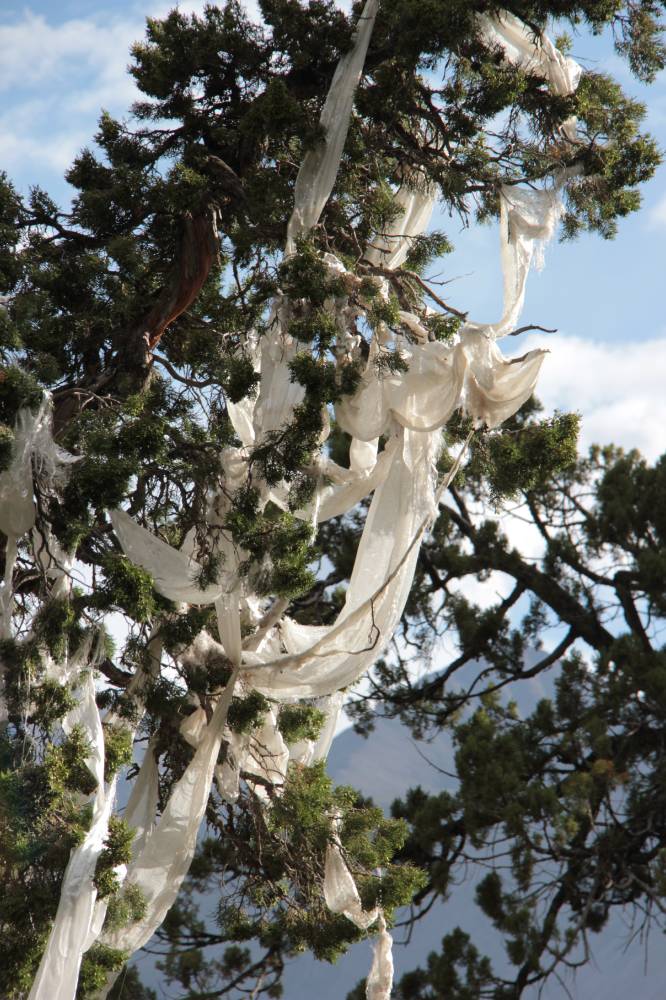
(33, 447)
(33, 444)
(528, 216)
(57, 976)
(141, 809)
(7, 600)
(320, 165)
(278, 393)
(417, 204)
(332, 706)
(534, 54)
(160, 867)
(340, 890)
(421, 398)
(495, 388)
(174, 573)
(267, 758)
(308, 752)
(378, 588)
(527, 223)
(379, 983)
(227, 775)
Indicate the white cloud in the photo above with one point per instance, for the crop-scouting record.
(657, 214)
(617, 388)
(60, 76)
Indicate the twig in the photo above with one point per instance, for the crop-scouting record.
(530, 326)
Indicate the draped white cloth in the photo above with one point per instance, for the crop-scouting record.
(340, 890)
(320, 165)
(33, 444)
(380, 981)
(162, 863)
(58, 972)
(417, 205)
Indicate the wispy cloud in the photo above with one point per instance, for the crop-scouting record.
(657, 214)
(619, 389)
(55, 78)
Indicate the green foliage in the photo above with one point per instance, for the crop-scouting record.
(17, 389)
(118, 746)
(97, 962)
(52, 701)
(180, 631)
(41, 820)
(127, 587)
(6, 446)
(125, 907)
(300, 722)
(57, 626)
(117, 851)
(247, 713)
(278, 544)
(65, 764)
(522, 458)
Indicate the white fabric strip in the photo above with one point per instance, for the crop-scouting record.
(161, 866)
(380, 981)
(58, 972)
(417, 206)
(320, 166)
(174, 573)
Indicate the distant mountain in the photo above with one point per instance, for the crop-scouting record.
(384, 766)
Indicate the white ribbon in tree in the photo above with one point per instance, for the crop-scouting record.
(341, 895)
(58, 972)
(417, 205)
(320, 165)
(380, 981)
(33, 443)
(160, 867)
(528, 216)
(174, 572)
(340, 890)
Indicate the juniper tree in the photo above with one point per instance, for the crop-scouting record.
(141, 311)
(563, 800)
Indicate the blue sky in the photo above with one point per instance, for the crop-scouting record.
(61, 62)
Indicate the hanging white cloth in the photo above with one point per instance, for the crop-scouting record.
(342, 896)
(380, 981)
(320, 165)
(340, 890)
(528, 216)
(535, 55)
(174, 572)
(417, 205)
(58, 972)
(33, 444)
(160, 867)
